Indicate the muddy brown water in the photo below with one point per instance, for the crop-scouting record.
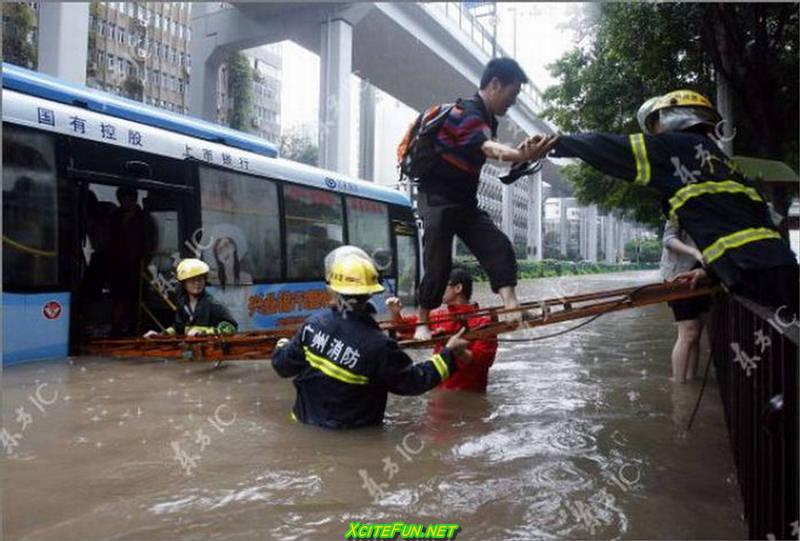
(579, 437)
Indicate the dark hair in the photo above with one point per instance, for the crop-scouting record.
(223, 279)
(460, 275)
(506, 70)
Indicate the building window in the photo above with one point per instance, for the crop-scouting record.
(314, 227)
(121, 35)
(30, 210)
(241, 227)
(111, 62)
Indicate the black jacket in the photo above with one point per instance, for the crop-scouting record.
(718, 206)
(208, 312)
(344, 368)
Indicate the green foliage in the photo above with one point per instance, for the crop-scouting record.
(551, 267)
(240, 90)
(644, 49)
(300, 149)
(643, 250)
(19, 21)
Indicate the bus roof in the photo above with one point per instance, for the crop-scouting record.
(44, 86)
(53, 116)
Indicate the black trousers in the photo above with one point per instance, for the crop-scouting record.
(443, 220)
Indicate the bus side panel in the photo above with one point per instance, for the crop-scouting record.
(266, 306)
(35, 326)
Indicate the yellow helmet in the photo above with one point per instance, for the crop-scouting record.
(353, 274)
(189, 268)
(677, 110)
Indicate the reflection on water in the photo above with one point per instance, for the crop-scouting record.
(580, 436)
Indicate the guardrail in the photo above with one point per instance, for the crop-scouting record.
(471, 27)
(755, 357)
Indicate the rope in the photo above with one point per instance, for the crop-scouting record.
(28, 249)
(700, 396)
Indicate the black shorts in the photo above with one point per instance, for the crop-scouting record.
(688, 309)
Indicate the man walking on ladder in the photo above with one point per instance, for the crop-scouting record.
(448, 203)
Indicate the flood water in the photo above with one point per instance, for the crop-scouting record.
(579, 437)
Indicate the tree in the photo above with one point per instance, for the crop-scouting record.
(643, 250)
(240, 90)
(300, 149)
(19, 21)
(641, 50)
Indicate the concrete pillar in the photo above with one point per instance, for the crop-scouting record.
(583, 244)
(366, 140)
(508, 212)
(609, 238)
(336, 62)
(206, 62)
(535, 247)
(63, 40)
(591, 219)
(562, 226)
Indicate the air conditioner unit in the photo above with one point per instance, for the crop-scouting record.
(141, 53)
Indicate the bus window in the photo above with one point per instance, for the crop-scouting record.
(368, 228)
(314, 227)
(406, 268)
(241, 228)
(30, 210)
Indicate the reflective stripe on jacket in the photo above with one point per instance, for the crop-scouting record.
(703, 188)
(344, 366)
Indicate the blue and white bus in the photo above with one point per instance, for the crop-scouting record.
(101, 196)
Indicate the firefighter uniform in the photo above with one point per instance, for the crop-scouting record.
(704, 189)
(344, 366)
(208, 317)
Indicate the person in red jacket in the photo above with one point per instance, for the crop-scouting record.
(474, 361)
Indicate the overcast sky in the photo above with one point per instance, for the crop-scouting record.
(541, 38)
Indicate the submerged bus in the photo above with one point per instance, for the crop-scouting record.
(102, 196)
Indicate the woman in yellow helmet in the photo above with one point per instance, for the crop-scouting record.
(198, 312)
(343, 365)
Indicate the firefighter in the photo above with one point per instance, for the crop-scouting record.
(344, 366)
(198, 313)
(475, 360)
(703, 190)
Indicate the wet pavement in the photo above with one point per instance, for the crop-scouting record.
(579, 436)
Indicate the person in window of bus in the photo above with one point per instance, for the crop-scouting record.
(448, 202)
(198, 313)
(229, 248)
(134, 237)
(474, 361)
(704, 189)
(344, 366)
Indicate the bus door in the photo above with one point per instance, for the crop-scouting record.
(405, 238)
(129, 238)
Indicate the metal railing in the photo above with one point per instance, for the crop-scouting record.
(477, 32)
(755, 357)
